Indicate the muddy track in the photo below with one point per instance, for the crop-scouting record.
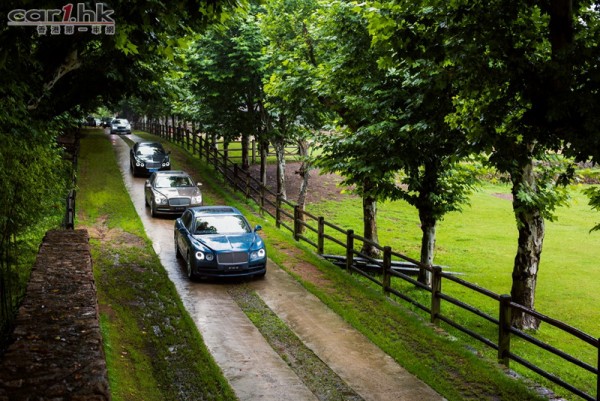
(320, 357)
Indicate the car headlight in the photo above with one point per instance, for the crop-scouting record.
(259, 254)
(166, 164)
(204, 256)
(128, 126)
(196, 199)
(139, 163)
(161, 200)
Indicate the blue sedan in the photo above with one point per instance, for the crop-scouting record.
(218, 241)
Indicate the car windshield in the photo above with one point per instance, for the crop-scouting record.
(148, 150)
(222, 225)
(173, 181)
(119, 122)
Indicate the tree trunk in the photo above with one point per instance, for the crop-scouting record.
(304, 172)
(245, 152)
(280, 152)
(531, 237)
(369, 222)
(264, 153)
(428, 227)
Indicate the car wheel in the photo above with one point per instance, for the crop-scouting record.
(177, 253)
(153, 209)
(188, 266)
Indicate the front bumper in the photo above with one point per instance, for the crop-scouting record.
(173, 209)
(237, 270)
(120, 131)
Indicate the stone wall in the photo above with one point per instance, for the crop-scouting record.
(57, 350)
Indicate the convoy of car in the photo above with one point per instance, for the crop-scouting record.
(214, 241)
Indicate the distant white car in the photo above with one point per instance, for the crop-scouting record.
(120, 126)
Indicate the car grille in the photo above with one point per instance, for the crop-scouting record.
(179, 201)
(152, 165)
(232, 257)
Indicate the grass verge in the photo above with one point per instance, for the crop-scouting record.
(153, 348)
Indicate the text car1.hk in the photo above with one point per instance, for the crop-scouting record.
(148, 157)
(171, 192)
(218, 241)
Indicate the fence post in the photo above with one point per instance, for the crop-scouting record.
(216, 158)
(321, 236)
(387, 265)
(278, 211)
(598, 374)
(225, 157)
(349, 250)
(247, 189)
(504, 326)
(253, 151)
(235, 176)
(207, 149)
(297, 226)
(436, 289)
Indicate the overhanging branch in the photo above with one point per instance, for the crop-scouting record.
(71, 63)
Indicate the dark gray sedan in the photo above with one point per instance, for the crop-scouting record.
(171, 192)
(147, 157)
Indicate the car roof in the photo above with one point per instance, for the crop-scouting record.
(214, 210)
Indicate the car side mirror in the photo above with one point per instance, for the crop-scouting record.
(148, 183)
(198, 184)
(257, 228)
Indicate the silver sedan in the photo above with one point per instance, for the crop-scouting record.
(171, 192)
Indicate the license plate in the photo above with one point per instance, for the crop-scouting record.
(233, 267)
(152, 170)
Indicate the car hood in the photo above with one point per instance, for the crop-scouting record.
(152, 158)
(233, 242)
(175, 192)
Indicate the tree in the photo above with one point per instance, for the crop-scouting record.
(349, 84)
(518, 67)
(227, 67)
(431, 154)
(293, 111)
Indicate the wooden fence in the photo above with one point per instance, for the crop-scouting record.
(190, 141)
(393, 270)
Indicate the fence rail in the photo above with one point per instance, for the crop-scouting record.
(303, 225)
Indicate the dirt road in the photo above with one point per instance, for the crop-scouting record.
(254, 369)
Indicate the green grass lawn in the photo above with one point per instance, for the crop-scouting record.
(480, 243)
